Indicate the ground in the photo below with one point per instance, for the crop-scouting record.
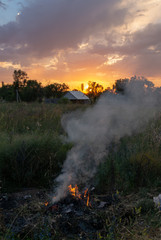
(29, 214)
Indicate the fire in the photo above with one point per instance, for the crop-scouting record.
(88, 200)
(75, 193)
(85, 193)
(46, 204)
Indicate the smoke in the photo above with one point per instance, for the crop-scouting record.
(92, 131)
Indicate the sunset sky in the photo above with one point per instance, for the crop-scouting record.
(76, 41)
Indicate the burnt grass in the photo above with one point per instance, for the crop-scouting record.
(25, 215)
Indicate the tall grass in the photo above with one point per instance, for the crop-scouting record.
(23, 117)
(31, 160)
(32, 152)
(135, 162)
(31, 149)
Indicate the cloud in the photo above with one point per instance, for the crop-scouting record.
(87, 35)
(139, 52)
(57, 24)
(2, 5)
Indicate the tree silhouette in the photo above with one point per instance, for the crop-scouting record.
(32, 91)
(55, 90)
(7, 93)
(120, 85)
(94, 90)
(20, 79)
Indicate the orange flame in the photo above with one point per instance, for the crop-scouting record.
(88, 200)
(46, 204)
(75, 193)
(85, 193)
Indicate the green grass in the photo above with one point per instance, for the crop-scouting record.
(31, 149)
(32, 160)
(34, 117)
(135, 162)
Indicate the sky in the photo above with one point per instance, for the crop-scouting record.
(76, 41)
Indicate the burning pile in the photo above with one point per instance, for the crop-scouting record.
(78, 213)
(76, 196)
(75, 193)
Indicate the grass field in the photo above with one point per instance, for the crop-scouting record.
(31, 149)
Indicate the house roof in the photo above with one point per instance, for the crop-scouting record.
(76, 95)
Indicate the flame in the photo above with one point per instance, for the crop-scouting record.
(75, 193)
(46, 204)
(88, 200)
(85, 193)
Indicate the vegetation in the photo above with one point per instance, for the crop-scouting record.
(26, 90)
(135, 162)
(120, 85)
(94, 90)
(30, 140)
(31, 150)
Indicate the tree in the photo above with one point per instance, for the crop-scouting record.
(120, 85)
(20, 79)
(55, 90)
(94, 90)
(135, 83)
(32, 91)
(143, 81)
(7, 93)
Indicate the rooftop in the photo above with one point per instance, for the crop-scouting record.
(76, 95)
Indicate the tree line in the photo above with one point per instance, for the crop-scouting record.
(27, 90)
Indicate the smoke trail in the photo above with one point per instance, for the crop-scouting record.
(113, 117)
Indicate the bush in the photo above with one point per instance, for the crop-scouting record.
(64, 100)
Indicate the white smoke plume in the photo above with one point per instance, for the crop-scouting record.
(92, 131)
